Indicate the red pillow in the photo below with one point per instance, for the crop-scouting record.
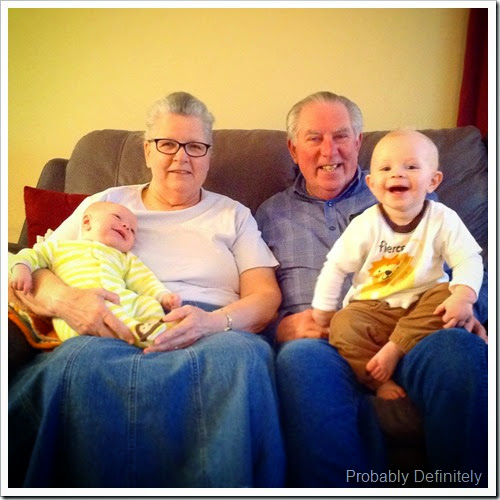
(47, 209)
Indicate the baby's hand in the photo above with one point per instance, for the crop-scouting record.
(457, 312)
(171, 301)
(21, 278)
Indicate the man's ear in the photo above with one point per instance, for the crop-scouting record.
(435, 181)
(359, 141)
(293, 150)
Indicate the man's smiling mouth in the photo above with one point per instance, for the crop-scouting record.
(330, 168)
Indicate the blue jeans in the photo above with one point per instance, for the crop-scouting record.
(330, 426)
(97, 412)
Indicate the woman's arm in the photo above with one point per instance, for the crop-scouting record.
(260, 298)
(84, 310)
(257, 307)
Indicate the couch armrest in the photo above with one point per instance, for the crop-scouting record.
(15, 247)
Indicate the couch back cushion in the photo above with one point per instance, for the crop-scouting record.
(252, 165)
(247, 165)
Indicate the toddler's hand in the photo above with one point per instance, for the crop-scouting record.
(21, 279)
(322, 318)
(456, 312)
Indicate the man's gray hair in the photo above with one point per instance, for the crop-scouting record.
(292, 119)
(179, 103)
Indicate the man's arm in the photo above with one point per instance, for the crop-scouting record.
(84, 310)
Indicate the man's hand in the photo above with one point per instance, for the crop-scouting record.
(478, 329)
(300, 325)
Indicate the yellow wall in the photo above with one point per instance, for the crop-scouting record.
(75, 70)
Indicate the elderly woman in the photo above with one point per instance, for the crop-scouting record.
(198, 408)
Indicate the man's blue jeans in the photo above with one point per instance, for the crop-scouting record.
(330, 426)
(98, 412)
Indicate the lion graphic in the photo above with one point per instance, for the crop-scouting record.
(389, 272)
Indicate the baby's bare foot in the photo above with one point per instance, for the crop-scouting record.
(390, 390)
(382, 365)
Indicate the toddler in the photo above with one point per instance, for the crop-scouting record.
(396, 249)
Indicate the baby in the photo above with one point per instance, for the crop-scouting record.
(396, 250)
(102, 258)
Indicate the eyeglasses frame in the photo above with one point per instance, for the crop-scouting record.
(181, 145)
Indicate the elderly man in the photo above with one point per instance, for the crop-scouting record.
(330, 424)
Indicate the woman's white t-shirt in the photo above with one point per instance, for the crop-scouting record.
(198, 252)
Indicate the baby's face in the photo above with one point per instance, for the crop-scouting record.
(403, 170)
(114, 225)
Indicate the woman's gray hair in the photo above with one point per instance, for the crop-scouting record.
(292, 119)
(179, 103)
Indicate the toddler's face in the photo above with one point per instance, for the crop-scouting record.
(114, 225)
(403, 170)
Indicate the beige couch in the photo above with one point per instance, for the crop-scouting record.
(250, 166)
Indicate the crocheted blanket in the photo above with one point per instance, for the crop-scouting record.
(37, 330)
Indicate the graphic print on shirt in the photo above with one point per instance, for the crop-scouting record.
(389, 275)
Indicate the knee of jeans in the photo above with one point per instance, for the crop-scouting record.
(294, 351)
(457, 353)
(456, 339)
(247, 347)
(306, 354)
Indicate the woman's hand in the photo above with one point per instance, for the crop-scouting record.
(193, 323)
(298, 326)
(84, 310)
(259, 300)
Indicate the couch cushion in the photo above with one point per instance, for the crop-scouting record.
(250, 165)
(46, 209)
(106, 158)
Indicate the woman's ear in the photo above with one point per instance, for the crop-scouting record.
(147, 152)
(435, 181)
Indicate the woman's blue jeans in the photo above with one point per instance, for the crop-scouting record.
(97, 412)
(330, 426)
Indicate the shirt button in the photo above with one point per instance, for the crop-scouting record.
(332, 228)
(330, 203)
